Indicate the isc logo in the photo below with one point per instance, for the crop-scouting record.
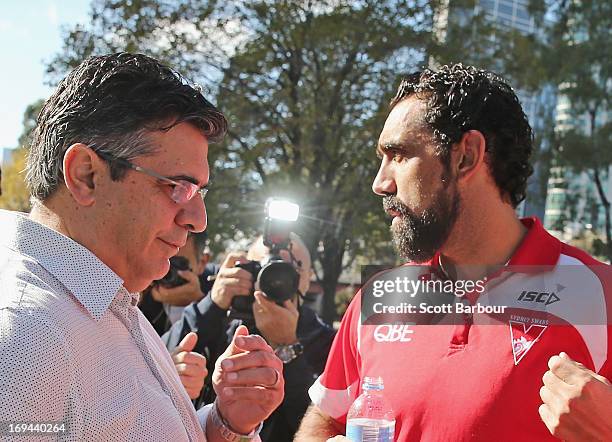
(541, 297)
(393, 333)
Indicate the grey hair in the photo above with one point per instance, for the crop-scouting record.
(112, 103)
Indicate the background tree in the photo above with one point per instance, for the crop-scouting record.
(29, 123)
(577, 57)
(305, 85)
(15, 194)
(306, 101)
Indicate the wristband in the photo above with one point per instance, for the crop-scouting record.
(225, 430)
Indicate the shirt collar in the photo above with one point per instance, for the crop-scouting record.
(91, 281)
(538, 246)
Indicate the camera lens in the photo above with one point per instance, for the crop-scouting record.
(172, 278)
(278, 280)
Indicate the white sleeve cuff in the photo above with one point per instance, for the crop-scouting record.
(203, 417)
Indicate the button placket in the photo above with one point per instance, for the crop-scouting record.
(128, 314)
(136, 332)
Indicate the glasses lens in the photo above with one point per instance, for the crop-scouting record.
(184, 191)
(181, 193)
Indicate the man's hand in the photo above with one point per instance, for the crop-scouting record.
(231, 281)
(277, 324)
(248, 381)
(577, 402)
(183, 294)
(191, 366)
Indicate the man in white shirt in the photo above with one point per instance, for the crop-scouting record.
(117, 172)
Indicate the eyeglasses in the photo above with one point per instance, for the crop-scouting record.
(182, 191)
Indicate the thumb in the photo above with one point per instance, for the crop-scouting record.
(597, 376)
(565, 356)
(188, 343)
(234, 348)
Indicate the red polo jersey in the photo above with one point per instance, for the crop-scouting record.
(470, 381)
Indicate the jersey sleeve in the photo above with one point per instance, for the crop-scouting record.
(337, 388)
(598, 336)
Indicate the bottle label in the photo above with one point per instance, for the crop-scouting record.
(360, 431)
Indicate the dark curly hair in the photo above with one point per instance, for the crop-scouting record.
(111, 103)
(461, 98)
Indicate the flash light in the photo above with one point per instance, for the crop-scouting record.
(282, 210)
(281, 216)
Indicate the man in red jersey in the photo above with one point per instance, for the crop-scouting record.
(454, 165)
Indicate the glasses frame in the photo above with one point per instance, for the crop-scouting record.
(190, 188)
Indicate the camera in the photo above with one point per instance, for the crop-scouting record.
(278, 279)
(172, 278)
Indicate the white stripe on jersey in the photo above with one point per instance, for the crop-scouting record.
(334, 402)
(582, 300)
(595, 334)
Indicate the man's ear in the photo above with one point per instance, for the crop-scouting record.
(469, 154)
(80, 166)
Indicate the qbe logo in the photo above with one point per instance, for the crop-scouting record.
(393, 333)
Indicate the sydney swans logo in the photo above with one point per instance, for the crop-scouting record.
(522, 339)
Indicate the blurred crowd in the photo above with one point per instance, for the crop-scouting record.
(199, 296)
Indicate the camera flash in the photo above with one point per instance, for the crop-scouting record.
(282, 210)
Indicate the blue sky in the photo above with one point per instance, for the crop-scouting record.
(30, 32)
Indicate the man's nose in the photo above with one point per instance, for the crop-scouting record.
(193, 216)
(384, 183)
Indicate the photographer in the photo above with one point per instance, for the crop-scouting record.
(299, 337)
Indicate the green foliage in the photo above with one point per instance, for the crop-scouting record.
(305, 99)
(29, 122)
(585, 152)
(471, 37)
(577, 57)
(15, 195)
(305, 86)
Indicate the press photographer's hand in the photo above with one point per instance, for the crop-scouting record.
(278, 324)
(181, 295)
(231, 281)
(190, 366)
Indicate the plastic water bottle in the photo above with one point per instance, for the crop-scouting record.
(370, 418)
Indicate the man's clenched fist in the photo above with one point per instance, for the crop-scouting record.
(577, 402)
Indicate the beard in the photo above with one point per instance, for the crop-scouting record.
(417, 237)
